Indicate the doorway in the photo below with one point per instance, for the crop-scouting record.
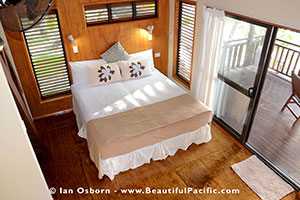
(246, 44)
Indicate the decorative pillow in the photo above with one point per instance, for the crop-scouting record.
(115, 53)
(104, 74)
(134, 69)
(144, 55)
(80, 70)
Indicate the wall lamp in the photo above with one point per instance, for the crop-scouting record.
(73, 43)
(150, 29)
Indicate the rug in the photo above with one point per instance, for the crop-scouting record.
(261, 179)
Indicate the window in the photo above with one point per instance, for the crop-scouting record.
(186, 24)
(118, 12)
(47, 56)
(121, 11)
(96, 14)
(145, 9)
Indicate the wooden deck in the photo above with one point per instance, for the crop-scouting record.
(208, 165)
(270, 133)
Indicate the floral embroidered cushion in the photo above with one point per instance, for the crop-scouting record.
(134, 69)
(104, 74)
(144, 55)
(80, 70)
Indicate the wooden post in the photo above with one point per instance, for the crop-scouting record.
(250, 47)
(24, 112)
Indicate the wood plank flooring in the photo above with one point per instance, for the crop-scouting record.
(271, 131)
(208, 165)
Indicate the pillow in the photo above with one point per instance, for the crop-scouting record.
(134, 69)
(80, 70)
(104, 74)
(144, 55)
(115, 53)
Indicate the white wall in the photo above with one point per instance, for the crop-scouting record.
(282, 12)
(20, 174)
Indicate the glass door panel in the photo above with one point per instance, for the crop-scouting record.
(240, 67)
(274, 134)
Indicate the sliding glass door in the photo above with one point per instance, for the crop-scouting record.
(243, 60)
(274, 135)
(253, 85)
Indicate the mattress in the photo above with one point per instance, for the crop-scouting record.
(100, 101)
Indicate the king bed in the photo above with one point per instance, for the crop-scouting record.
(129, 123)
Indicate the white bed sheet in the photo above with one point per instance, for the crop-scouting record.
(100, 101)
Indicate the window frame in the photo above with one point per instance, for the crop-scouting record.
(178, 11)
(61, 94)
(112, 21)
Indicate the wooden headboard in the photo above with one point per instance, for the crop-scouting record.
(92, 41)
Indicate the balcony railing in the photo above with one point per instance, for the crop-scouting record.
(245, 52)
(241, 53)
(285, 58)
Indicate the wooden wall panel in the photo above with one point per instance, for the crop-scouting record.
(92, 41)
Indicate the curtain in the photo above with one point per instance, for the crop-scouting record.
(208, 56)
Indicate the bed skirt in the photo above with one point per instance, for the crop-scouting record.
(115, 165)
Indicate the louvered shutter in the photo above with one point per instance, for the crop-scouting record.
(121, 11)
(187, 12)
(47, 55)
(96, 14)
(146, 9)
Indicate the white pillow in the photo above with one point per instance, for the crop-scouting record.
(134, 69)
(104, 74)
(80, 70)
(143, 55)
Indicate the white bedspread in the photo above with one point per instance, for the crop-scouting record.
(100, 101)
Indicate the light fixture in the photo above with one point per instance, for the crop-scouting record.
(74, 43)
(150, 29)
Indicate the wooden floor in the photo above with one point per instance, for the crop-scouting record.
(270, 133)
(208, 165)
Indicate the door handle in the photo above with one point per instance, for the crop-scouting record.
(251, 92)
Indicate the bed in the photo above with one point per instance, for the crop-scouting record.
(101, 111)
